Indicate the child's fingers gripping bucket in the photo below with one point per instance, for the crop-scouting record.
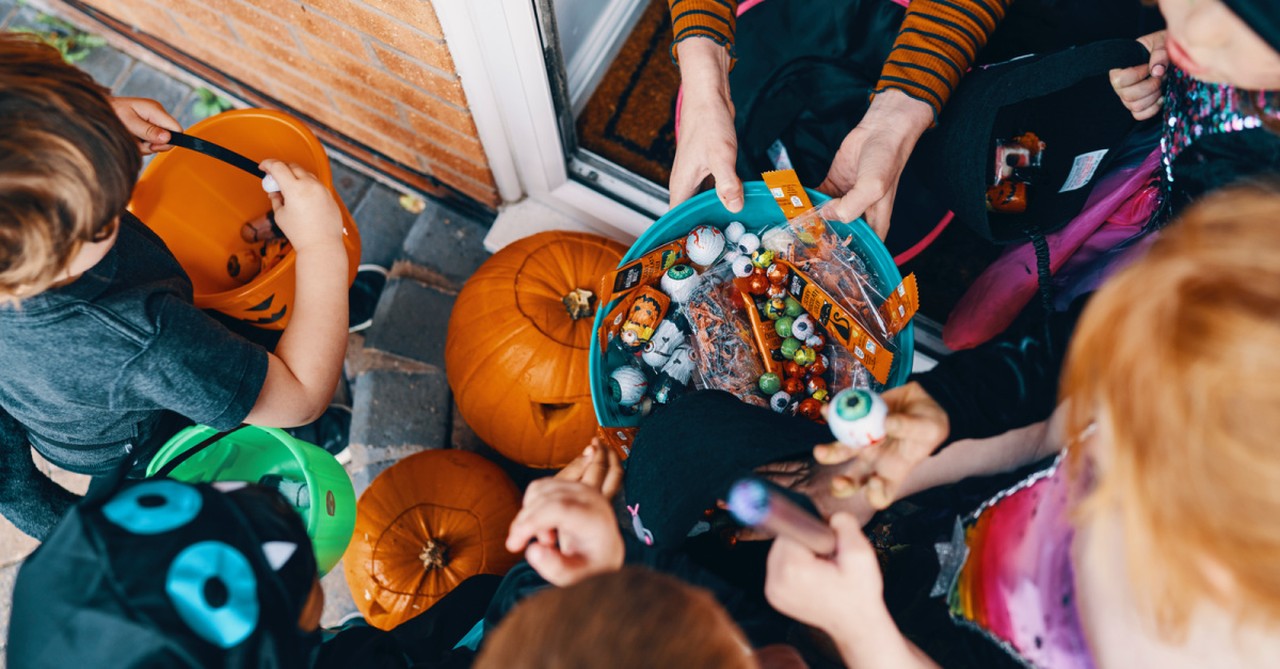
(252, 454)
(198, 204)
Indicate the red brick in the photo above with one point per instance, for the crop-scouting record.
(392, 128)
(441, 83)
(453, 163)
(418, 13)
(364, 20)
(465, 145)
(239, 14)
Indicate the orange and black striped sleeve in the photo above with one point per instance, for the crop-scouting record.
(714, 19)
(936, 45)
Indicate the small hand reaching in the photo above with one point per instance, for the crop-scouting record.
(598, 467)
(148, 121)
(1140, 87)
(304, 208)
(567, 531)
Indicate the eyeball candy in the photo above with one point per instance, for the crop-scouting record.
(780, 401)
(734, 231)
(857, 417)
(748, 243)
(802, 327)
(783, 326)
(704, 245)
(679, 282)
(680, 365)
(769, 383)
(742, 267)
(270, 185)
(627, 385)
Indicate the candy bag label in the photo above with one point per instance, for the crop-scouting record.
(903, 303)
(646, 270)
(839, 324)
(787, 191)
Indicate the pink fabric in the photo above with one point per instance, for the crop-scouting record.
(1117, 208)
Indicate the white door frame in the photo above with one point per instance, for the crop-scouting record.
(498, 52)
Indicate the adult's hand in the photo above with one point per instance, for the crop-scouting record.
(148, 121)
(865, 172)
(567, 531)
(1140, 87)
(914, 429)
(598, 467)
(708, 144)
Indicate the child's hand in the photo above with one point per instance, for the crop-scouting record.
(573, 531)
(304, 207)
(916, 426)
(1139, 87)
(148, 121)
(830, 594)
(598, 467)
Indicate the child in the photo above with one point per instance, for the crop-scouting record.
(105, 356)
(1154, 542)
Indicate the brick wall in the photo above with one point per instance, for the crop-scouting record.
(377, 72)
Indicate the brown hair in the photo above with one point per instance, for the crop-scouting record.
(1177, 359)
(628, 619)
(67, 164)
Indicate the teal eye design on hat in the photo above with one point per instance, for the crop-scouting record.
(213, 588)
(154, 507)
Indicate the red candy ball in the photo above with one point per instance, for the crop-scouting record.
(815, 384)
(819, 366)
(793, 385)
(735, 298)
(757, 283)
(777, 274)
(790, 368)
(810, 408)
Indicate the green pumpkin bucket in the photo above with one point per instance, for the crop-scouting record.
(251, 453)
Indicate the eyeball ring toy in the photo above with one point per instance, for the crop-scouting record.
(857, 417)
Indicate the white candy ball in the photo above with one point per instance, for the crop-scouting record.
(627, 384)
(270, 185)
(679, 282)
(734, 231)
(802, 327)
(748, 243)
(780, 401)
(704, 245)
(742, 267)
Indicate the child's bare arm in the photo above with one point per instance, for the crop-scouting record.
(304, 370)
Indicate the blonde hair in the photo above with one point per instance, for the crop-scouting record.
(67, 164)
(1178, 359)
(628, 619)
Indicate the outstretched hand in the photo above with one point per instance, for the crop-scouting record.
(148, 121)
(708, 142)
(598, 467)
(1140, 87)
(567, 531)
(914, 429)
(865, 172)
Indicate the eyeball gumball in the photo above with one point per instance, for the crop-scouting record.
(627, 385)
(857, 417)
(748, 243)
(734, 231)
(810, 408)
(802, 328)
(780, 401)
(777, 274)
(783, 326)
(790, 345)
(680, 365)
(762, 258)
(742, 267)
(679, 282)
(774, 309)
(769, 383)
(704, 245)
(793, 386)
(820, 365)
(805, 355)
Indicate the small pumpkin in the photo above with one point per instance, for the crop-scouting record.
(425, 525)
(516, 352)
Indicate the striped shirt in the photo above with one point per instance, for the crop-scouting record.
(936, 44)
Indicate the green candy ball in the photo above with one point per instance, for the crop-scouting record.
(794, 308)
(770, 383)
(783, 326)
(789, 347)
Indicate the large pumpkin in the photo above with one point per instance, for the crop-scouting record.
(517, 359)
(425, 525)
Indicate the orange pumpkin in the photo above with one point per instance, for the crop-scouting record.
(516, 357)
(425, 525)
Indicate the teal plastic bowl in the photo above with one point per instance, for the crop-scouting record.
(759, 212)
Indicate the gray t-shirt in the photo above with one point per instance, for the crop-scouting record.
(89, 368)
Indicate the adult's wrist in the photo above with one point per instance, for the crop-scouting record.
(895, 109)
(703, 62)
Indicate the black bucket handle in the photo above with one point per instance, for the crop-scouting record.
(204, 146)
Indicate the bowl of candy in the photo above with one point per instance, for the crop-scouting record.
(782, 309)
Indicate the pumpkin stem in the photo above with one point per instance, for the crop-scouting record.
(579, 303)
(434, 555)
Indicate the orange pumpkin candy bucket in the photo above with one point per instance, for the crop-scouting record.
(425, 525)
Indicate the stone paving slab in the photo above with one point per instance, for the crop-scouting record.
(411, 321)
(144, 81)
(393, 409)
(447, 242)
(383, 224)
(106, 65)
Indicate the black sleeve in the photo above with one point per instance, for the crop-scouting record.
(1006, 383)
(29, 499)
